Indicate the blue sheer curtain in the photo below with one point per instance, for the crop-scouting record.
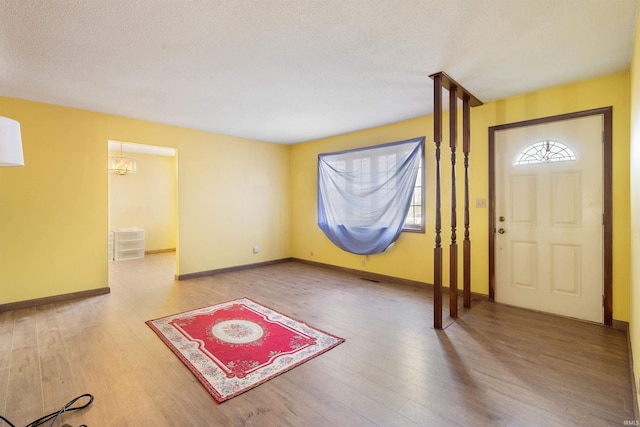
(364, 194)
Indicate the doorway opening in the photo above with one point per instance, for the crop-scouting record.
(143, 206)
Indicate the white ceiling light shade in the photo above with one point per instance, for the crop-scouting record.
(10, 143)
(122, 165)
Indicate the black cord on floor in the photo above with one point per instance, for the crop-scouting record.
(53, 417)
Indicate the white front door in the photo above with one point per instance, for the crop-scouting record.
(549, 215)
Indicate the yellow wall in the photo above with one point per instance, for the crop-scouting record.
(634, 320)
(411, 256)
(53, 211)
(147, 199)
(233, 195)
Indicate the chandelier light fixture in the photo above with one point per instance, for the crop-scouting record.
(122, 165)
(10, 143)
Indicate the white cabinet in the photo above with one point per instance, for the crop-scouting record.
(111, 239)
(129, 243)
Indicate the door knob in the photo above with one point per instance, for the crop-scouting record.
(501, 230)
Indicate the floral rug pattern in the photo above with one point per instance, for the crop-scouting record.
(234, 346)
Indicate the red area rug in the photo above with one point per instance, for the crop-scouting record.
(237, 345)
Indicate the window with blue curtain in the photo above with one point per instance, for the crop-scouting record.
(364, 194)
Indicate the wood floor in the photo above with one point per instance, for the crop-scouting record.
(495, 366)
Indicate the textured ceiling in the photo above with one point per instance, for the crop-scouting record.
(289, 71)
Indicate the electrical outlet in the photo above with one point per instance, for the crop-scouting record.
(481, 203)
(256, 249)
